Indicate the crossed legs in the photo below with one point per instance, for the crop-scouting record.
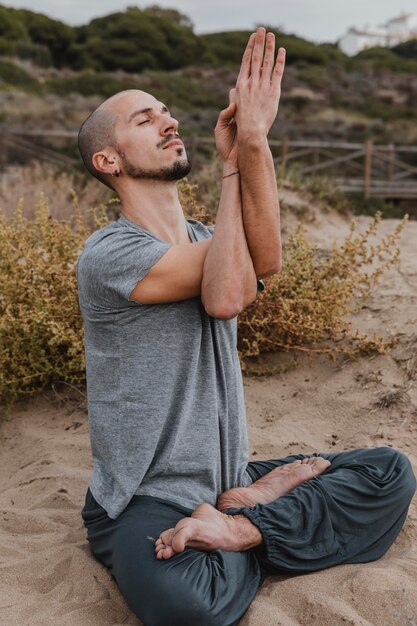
(349, 513)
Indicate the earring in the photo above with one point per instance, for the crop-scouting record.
(116, 173)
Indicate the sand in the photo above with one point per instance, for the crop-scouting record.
(48, 576)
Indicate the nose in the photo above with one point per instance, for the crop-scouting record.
(169, 124)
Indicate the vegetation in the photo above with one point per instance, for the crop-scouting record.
(40, 327)
(303, 307)
(155, 38)
(13, 76)
(326, 94)
(389, 58)
(185, 92)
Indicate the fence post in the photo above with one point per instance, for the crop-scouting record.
(284, 152)
(3, 148)
(316, 157)
(368, 168)
(193, 150)
(391, 161)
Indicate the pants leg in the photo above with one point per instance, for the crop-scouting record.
(190, 588)
(351, 513)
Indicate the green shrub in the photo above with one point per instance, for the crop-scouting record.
(14, 76)
(374, 108)
(11, 27)
(89, 84)
(407, 49)
(226, 49)
(135, 40)
(38, 54)
(372, 205)
(384, 58)
(45, 31)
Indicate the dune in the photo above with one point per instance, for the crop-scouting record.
(48, 576)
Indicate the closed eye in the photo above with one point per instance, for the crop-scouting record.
(144, 122)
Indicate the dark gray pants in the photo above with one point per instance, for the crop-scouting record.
(351, 513)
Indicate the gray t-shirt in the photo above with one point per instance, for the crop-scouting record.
(164, 384)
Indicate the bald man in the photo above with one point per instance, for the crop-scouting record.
(186, 526)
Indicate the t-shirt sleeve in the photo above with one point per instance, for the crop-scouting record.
(260, 282)
(112, 268)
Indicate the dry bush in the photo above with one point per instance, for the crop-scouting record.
(303, 307)
(27, 183)
(392, 398)
(41, 330)
(41, 333)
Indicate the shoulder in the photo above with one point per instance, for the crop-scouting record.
(202, 231)
(109, 235)
(105, 241)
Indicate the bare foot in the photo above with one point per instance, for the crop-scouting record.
(207, 529)
(276, 483)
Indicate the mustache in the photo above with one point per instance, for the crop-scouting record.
(166, 140)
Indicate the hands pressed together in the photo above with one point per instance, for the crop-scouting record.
(254, 101)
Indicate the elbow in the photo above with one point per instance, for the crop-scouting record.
(230, 309)
(222, 309)
(270, 270)
(225, 312)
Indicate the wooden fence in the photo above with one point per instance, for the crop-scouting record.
(388, 171)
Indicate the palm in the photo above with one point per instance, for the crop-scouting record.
(226, 142)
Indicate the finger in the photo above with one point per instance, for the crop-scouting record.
(268, 62)
(278, 69)
(258, 53)
(232, 95)
(246, 59)
(225, 116)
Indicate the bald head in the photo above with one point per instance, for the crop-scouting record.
(126, 135)
(99, 131)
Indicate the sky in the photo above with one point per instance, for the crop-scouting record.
(316, 20)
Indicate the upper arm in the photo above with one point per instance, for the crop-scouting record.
(175, 276)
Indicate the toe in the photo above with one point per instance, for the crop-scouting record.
(165, 553)
(166, 536)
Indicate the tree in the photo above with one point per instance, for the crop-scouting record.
(45, 31)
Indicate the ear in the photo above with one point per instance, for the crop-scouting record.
(105, 161)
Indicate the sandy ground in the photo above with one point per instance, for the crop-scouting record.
(48, 575)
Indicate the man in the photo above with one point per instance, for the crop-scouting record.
(187, 527)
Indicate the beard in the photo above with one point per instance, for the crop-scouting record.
(176, 171)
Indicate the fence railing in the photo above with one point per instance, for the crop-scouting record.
(371, 169)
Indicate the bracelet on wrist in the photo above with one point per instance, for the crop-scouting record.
(232, 173)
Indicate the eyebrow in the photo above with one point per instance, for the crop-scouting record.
(147, 110)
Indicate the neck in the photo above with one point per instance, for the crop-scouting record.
(155, 205)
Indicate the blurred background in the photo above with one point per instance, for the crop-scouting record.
(344, 145)
(348, 110)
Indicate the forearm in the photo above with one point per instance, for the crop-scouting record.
(260, 204)
(229, 280)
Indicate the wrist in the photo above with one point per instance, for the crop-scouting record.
(253, 138)
(230, 168)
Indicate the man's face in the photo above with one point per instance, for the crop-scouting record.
(147, 137)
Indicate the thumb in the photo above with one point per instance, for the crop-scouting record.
(227, 114)
(232, 95)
